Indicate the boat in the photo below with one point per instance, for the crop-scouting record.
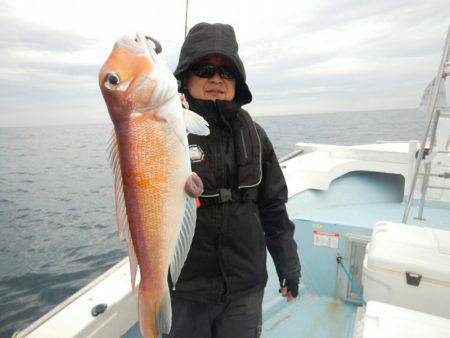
(337, 197)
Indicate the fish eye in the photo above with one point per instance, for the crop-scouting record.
(111, 80)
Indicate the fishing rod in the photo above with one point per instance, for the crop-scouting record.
(186, 19)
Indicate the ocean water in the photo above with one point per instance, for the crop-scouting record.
(57, 225)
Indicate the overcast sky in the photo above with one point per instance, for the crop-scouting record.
(300, 56)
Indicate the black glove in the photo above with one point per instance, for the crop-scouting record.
(291, 285)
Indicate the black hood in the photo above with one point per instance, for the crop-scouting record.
(204, 39)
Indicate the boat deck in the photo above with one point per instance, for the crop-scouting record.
(343, 215)
(309, 315)
(366, 215)
(351, 206)
(312, 316)
(361, 199)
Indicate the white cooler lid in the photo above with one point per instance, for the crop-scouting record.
(409, 248)
(389, 321)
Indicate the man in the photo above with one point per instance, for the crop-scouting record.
(242, 209)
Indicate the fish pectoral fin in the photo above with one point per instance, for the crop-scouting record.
(184, 239)
(195, 124)
(176, 123)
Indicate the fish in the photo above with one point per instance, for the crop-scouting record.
(154, 186)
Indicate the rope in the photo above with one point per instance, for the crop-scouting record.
(354, 287)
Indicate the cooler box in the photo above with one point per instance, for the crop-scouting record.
(387, 321)
(408, 266)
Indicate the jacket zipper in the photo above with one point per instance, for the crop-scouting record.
(243, 144)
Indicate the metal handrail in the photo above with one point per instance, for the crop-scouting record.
(293, 154)
(431, 115)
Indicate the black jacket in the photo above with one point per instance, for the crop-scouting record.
(227, 258)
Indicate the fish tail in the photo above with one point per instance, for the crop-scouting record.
(155, 315)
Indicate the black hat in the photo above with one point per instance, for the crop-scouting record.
(205, 39)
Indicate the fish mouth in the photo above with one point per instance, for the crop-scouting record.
(154, 43)
(140, 43)
(133, 45)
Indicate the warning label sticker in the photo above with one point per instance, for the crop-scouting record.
(327, 239)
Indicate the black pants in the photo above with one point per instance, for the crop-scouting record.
(240, 318)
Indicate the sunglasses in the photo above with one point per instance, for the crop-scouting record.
(208, 71)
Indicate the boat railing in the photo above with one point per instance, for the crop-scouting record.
(434, 114)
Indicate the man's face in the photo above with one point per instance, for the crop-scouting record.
(214, 88)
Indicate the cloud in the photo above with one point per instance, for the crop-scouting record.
(300, 57)
(349, 56)
(39, 67)
(19, 34)
(32, 112)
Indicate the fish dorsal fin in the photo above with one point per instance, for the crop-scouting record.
(195, 124)
(119, 201)
(184, 240)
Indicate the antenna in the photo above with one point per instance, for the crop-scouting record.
(186, 19)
